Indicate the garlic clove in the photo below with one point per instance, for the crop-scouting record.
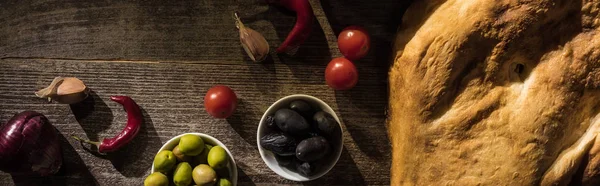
(65, 90)
(71, 85)
(254, 43)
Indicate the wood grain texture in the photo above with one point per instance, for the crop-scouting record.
(165, 56)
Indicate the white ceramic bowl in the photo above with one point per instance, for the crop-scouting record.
(269, 158)
(169, 145)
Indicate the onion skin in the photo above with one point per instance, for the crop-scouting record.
(29, 145)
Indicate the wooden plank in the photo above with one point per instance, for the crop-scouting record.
(171, 96)
(199, 30)
(165, 55)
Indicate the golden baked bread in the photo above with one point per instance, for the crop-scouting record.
(496, 92)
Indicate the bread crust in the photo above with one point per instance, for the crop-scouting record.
(496, 92)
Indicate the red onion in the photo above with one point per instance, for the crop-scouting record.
(29, 145)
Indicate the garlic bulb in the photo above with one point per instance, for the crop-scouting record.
(67, 90)
(255, 45)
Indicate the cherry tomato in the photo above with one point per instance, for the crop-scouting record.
(354, 42)
(220, 101)
(341, 74)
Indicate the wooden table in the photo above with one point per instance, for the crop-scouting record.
(165, 55)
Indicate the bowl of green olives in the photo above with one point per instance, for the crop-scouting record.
(300, 137)
(193, 159)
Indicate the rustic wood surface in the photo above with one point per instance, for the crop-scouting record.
(165, 55)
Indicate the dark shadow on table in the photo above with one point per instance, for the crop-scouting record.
(72, 172)
(244, 125)
(263, 75)
(244, 179)
(381, 20)
(314, 51)
(345, 172)
(362, 110)
(93, 115)
(363, 107)
(134, 159)
(342, 14)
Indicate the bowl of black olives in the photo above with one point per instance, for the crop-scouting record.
(300, 137)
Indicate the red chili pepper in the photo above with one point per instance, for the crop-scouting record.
(304, 22)
(134, 122)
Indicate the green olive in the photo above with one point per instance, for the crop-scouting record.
(156, 179)
(183, 174)
(202, 158)
(164, 161)
(180, 156)
(217, 157)
(224, 182)
(204, 175)
(191, 145)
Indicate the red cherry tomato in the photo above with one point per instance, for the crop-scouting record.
(341, 74)
(220, 101)
(354, 42)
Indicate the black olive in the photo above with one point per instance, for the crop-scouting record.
(325, 123)
(291, 122)
(312, 149)
(307, 135)
(285, 161)
(302, 107)
(305, 168)
(279, 143)
(270, 122)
